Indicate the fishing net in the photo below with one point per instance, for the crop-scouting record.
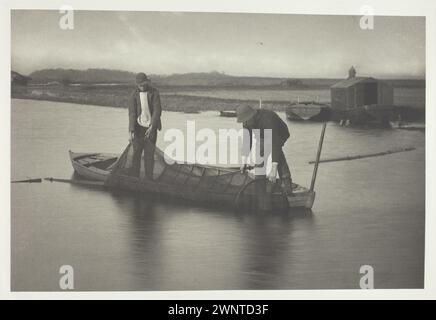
(149, 163)
(138, 162)
(150, 169)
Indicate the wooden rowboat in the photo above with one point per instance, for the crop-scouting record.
(210, 185)
(219, 186)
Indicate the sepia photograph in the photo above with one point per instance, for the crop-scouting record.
(191, 151)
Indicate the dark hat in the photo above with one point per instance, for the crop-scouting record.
(245, 113)
(141, 77)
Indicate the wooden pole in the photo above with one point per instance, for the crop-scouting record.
(79, 182)
(318, 155)
(38, 180)
(362, 156)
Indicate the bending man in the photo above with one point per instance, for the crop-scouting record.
(261, 120)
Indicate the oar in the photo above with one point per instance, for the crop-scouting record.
(80, 182)
(38, 180)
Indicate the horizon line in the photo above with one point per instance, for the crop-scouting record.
(393, 77)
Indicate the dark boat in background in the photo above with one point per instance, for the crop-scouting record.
(308, 111)
(228, 114)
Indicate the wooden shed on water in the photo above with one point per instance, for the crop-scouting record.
(362, 99)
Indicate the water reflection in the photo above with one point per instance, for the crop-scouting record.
(170, 240)
(268, 243)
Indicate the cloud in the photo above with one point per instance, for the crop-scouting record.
(175, 42)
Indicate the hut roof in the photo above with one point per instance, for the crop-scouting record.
(16, 76)
(352, 81)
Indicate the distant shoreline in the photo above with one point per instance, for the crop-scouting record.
(179, 99)
(119, 98)
(213, 79)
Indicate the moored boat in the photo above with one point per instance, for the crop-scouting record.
(308, 111)
(228, 114)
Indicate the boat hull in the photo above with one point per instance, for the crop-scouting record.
(96, 166)
(228, 114)
(308, 112)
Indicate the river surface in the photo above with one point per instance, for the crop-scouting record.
(367, 212)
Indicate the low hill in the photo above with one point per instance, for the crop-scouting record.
(209, 79)
(67, 76)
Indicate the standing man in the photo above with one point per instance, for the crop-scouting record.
(144, 121)
(262, 120)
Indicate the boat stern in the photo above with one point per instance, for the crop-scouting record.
(301, 200)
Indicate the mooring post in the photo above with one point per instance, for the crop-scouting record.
(318, 156)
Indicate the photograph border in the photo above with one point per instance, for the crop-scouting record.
(314, 7)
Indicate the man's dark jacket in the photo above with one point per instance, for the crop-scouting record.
(266, 119)
(154, 105)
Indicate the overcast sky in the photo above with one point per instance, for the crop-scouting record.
(237, 44)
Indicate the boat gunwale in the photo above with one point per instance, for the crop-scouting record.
(303, 194)
(105, 173)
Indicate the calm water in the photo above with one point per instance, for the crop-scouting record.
(367, 212)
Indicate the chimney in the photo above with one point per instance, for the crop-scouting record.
(351, 73)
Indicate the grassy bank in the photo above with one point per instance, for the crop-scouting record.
(118, 97)
(182, 99)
